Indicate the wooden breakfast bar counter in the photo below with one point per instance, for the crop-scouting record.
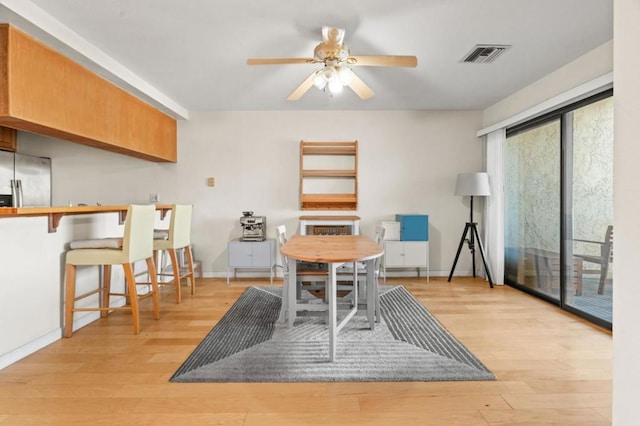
(34, 262)
(56, 213)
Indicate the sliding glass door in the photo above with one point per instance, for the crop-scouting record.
(532, 208)
(590, 208)
(559, 207)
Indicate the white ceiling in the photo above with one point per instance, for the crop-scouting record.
(191, 54)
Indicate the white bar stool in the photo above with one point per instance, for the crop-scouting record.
(135, 245)
(177, 237)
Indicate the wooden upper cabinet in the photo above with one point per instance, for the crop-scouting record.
(42, 91)
(328, 175)
(8, 138)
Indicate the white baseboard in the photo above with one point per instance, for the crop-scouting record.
(241, 274)
(31, 347)
(394, 273)
(410, 272)
(53, 336)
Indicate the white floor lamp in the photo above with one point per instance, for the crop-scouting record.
(472, 184)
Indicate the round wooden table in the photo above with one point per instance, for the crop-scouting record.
(334, 250)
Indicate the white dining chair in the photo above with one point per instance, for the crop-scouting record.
(346, 273)
(306, 279)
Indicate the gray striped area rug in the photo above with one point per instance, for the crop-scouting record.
(248, 345)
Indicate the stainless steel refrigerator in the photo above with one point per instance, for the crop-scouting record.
(25, 180)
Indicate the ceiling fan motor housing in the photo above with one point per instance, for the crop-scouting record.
(327, 51)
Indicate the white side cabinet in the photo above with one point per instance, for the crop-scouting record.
(406, 254)
(251, 255)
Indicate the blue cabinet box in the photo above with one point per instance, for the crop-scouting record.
(413, 227)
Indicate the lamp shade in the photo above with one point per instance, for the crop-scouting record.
(473, 184)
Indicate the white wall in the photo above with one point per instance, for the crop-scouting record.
(408, 163)
(594, 64)
(626, 293)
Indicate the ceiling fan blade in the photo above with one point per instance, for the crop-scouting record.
(280, 61)
(303, 88)
(383, 61)
(362, 90)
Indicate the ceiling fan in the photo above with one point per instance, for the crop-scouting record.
(336, 73)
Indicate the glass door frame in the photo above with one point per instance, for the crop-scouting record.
(565, 116)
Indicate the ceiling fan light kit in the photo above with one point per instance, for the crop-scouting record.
(332, 77)
(333, 54)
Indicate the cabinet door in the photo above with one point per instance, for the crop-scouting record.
(240, 255)
(393, 254)
(413, 227)
(8, 138)
(262, 253)
(415, 253)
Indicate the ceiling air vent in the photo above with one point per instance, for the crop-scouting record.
(484, 53)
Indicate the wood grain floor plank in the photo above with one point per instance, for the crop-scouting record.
(240, 404)
(564, 417)
(172, 419)
(69, 405)
(394, 404)
(570, 386)
(424, 418)
(561, 401)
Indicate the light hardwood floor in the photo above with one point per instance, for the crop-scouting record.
(551, 368)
